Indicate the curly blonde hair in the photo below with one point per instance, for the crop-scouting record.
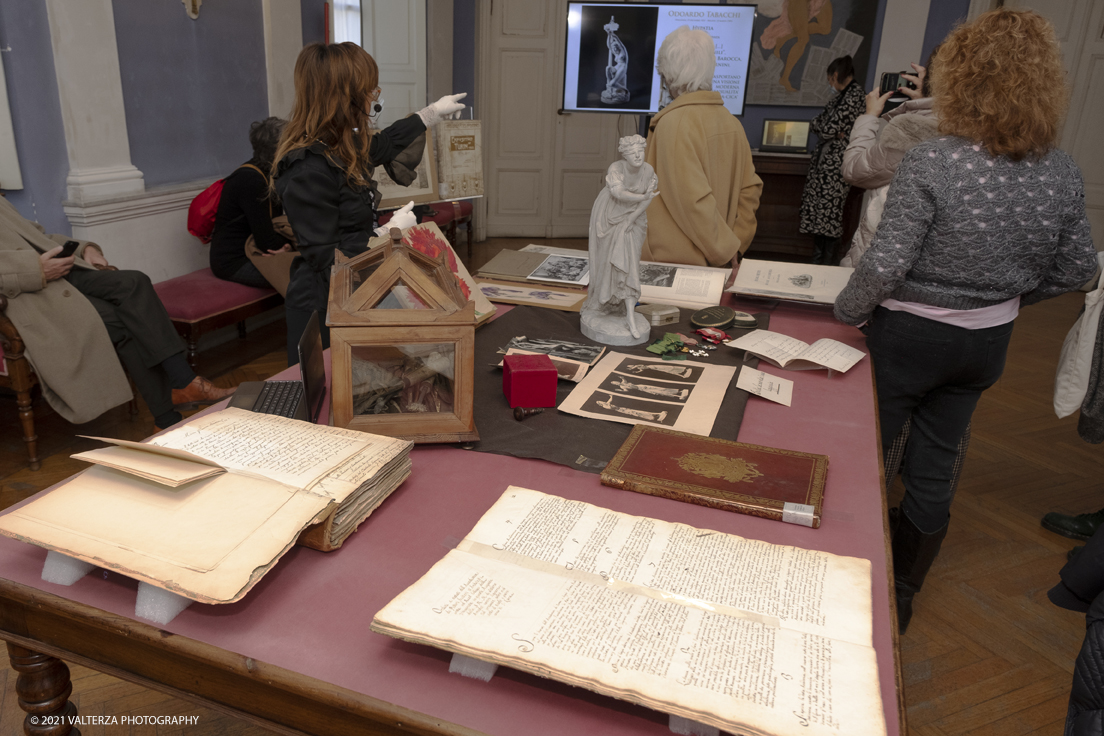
(1001, 83)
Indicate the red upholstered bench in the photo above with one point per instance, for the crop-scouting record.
(200, 302)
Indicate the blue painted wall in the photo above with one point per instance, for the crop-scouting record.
(463, 51)
(313, 13)
(943, 16)
(190, 87)
(36, 113)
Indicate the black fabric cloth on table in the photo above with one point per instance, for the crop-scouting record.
(566, 439)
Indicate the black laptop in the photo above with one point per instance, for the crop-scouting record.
(785, 136)
(299, 399)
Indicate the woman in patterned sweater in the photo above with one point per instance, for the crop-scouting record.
(978, 221)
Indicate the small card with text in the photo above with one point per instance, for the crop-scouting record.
(765, 385)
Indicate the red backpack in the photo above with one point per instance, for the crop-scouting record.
(202, 210)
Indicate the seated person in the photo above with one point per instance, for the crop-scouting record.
(708, 189)
(246, 207)
(72, 311)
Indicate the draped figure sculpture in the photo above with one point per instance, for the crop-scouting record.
(618, 222)
(617, 66)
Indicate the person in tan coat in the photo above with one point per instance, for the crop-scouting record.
(75, 313)
(708, 189)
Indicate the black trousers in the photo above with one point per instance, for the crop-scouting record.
(139, 328)
(296, 325)
(933, 373)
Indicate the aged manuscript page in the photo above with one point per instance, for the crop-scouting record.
(738, 634)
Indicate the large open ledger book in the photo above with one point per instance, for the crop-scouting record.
(801, 282)
(206, 509)
(692, 287)
(749, 637)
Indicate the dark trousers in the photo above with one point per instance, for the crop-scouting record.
(139, 328)
(933, 373)
(296, 325)
(248, 274)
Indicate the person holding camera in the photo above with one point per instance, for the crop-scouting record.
(985, 218)
(825, 189)
(898, 116)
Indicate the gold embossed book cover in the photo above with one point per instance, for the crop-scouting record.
(734, 476)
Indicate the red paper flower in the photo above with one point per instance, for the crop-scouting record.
(424, 240)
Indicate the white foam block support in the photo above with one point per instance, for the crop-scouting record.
(158, 605)
(64, 570)
(686, 727)
(470, 667)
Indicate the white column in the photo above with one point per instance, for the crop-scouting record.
(86, 61)
(283, 32)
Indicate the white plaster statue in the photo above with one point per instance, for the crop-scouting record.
(618, 222)
(617, 67)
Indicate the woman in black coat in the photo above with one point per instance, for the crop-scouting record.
(825, 189)
(325, 162)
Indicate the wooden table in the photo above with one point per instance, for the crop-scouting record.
(296, 654)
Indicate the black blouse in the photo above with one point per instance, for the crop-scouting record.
(243, 211)
(327, 213)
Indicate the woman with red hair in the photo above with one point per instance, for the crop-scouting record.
(985, 218)
(324, 167)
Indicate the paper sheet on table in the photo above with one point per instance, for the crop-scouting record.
(765, 385)
(677, 394)
(793, 354)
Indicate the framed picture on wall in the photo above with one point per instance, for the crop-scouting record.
(422, 190)
(793, 43)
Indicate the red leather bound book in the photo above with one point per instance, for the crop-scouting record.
(749, 479)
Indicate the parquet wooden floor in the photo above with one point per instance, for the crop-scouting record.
(987, 653)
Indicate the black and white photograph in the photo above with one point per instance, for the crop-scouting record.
(617, 57)
(668, 370)
(588, 354)
(565, 269)
(643, 388)
(636, 411)
(657, 274)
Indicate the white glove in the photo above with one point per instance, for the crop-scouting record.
(448, 106)
(402, 219)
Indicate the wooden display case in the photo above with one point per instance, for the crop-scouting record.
(402, 341)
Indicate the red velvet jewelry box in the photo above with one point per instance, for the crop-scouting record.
(529, 381)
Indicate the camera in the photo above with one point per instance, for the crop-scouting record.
(892, 80)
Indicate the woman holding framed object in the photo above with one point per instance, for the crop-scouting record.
(985, 218)
(325, 164)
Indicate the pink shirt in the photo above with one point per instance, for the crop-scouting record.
(971, 319)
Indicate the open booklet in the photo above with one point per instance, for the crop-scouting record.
(692, 287)
(207, 508)
(801, 282)
(742, 635)
(793, 354)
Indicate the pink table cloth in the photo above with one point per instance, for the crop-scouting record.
(311, 613)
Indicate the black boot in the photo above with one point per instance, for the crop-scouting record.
(913, 555)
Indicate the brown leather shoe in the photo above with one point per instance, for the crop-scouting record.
(197, 393)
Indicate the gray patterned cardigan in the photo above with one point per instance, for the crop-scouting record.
(963, 230)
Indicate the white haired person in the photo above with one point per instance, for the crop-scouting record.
(709, 191)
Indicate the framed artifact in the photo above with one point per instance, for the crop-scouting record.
(402, 339)
(422, 190)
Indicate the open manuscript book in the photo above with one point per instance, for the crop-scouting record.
(206, 509)
(749, 637)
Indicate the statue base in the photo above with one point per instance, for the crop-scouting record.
(615, 96)
(612, 329)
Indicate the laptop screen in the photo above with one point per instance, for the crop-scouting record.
(785, 135)
(312, 367)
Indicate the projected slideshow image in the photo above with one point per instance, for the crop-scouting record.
(617, 48)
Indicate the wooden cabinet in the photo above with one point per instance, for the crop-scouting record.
(776, 236)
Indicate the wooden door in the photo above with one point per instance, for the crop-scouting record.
(543, 169)
(394, 33)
